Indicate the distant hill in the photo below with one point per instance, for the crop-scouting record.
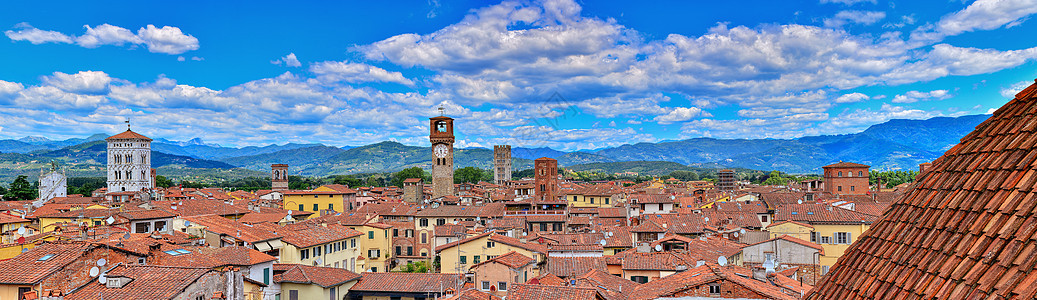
(896, 144)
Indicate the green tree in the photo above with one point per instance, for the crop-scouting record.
(415, 267)
(163, 182)
(191, 185)
(347, 180)
(85, 185)
(21, 189)
(467, 174)
(685, 175)
(413, 172)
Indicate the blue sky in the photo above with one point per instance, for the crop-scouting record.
(568, 75)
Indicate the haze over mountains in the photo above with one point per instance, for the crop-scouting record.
(896, 144)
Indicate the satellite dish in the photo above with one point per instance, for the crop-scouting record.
(800, 201)
(319, 261)
(742, 230)
(101, 262)
(603, 243)
(110, 220)
(707, 219)
(94, 271)
(722, 261)
(25, 250)
(658, 247)
(21, 230)
(544, 206)
(289, 211)
(736, 234)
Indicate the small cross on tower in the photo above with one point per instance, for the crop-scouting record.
(127, 124)
(441, 110)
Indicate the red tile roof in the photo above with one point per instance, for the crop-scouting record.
(573, 266)
(794, 240)
(472, 294)
(232, 228)
(409, 282)
(547, 279)
(308, 235)
(842, 164)
(511, 259)
(966, 229)
(611, 286)
(821, 213)
(128, 134)
(499, 239)
(323, 276)
(696, 277)
(27, 269)
(541, 292)
(149, 282)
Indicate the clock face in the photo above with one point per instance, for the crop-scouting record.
(440, 150)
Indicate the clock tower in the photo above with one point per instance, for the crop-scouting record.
(441, 134)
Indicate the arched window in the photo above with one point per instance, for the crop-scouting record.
(860, 174)
(840, 173)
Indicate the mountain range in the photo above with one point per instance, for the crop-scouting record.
(895, 144)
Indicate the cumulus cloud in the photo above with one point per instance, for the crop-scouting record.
(167, 39)
(915, 96)
(288, 60)
(1007, 92)
(980, 15)
(851, 98)
(84, 82)
(357, 72)
(26, 32)
(855, 17)
(679, 114)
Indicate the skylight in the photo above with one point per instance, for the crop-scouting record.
(46, 257)
(177, 252)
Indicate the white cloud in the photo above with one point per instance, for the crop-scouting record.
(84, 82)
(980, 15)
(1015, 88)
(680, 114)
(106, 34)
(357, 72)
(168, 39)
(915, 96)
(856, 17)
(288, 60)
(851, 98)
(862, 118)
(36, 36)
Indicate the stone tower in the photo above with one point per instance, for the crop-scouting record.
(441, 134)
(545, 179)
(279, 177)
(129, 162)
(501, 163)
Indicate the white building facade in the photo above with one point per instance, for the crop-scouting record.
(129, 162)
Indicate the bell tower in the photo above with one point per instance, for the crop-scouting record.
(441, 134)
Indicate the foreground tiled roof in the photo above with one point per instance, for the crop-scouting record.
(966, 229)
(323, 276)
(471, 294)
(408, 282)
(26, 268)
(540, 292)
(611, 286)
(149, 282)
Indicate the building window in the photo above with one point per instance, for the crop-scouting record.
(842, 238)
(395, 232)
(851, 188)
(305, 254)
(592, 200)
(714, 289)
(486, 285)
(352, 243)
(424, 238)
(301, 208)
(824, 270)
(860, 174)
(502, 286)
(464, 259)
(370, 235)
(440, 222)
(840, 188)
(374, 253)
(763, 218)
(639, 279)
(424, 222)
(331, 206)
(316, 251)
(398, 250)
(606, 200)
(826, 240)
(490, 244)
(410, 251)
(266, 276)
(813, 237)
(840, 173)
(475, 259)
(660, 206)
(316, 208)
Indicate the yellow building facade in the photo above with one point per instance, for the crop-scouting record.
(458, 257)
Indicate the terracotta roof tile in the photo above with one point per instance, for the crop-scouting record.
(511, 260)
(149, 282)
(408, 282)
(540, 292)
(695, 277)
(323, 276)
(28, 269)
(965, 229)
(128, 134)
(573, 266)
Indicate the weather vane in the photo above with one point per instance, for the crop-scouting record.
(441, 110)
(127, 124)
